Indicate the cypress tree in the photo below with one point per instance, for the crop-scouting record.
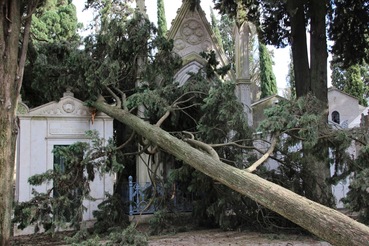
(291, 79)
(350, 80)
(268, 82)
(162, 21)
(354, 84)
(215, 28)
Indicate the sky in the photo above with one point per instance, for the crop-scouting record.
(281, 56)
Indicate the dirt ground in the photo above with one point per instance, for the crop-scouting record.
(228, 238)
(192, 238)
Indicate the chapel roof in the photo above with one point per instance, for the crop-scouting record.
(192, 34)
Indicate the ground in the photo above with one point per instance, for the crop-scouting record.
(198, 237)
(227, 238)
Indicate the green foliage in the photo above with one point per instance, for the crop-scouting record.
(351, 80)
(83, 238)
(291, 79)
(211, 67)
(305, 138)
(112, 57)
(357, 198)
(61, 206)
(221, 121)
(55, 22)
(300, 118)
(110, 214)
(215, 28)
(89, 242)
(129, 236)
(225, 27)
(222, 113)
(165, 221)
(162, 21)
(268, 82)
(56, 68)
(54, 62)
(349, 21)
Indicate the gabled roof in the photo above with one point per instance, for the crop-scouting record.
(273, 99)
(67, 106)
(332, 88)
(357, 121)
(192, 34)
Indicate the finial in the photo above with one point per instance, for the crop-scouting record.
(68, 92)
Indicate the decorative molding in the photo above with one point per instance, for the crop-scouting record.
(179, 44)
(192, 31)
(22, 108)
(69, 106)
(185, 73)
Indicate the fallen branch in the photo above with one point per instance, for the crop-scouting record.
(262, 159)
(326, 223)
(201, 145)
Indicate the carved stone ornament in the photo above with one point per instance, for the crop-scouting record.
(192, 31)
(69, 106)
(206, 45)
(179, 44)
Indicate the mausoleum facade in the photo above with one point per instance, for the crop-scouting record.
(57, 124)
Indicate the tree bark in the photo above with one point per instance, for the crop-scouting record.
(318, 50)
(10, 18)
(317, 173)
(299, 47)
(324, 222)
(311, 79)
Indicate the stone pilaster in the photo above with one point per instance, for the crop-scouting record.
(242, 64)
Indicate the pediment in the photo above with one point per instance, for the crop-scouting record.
(192, 33)
(67, 106)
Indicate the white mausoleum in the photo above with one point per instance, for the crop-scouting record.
(54, 124)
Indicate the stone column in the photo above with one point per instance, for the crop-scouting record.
(243, 83)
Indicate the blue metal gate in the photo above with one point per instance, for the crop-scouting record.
(143, 198)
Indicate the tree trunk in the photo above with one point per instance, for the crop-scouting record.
(317, 172)
(311, 79)
(318, 50)
(324, 222)
(9, 83)
(299, 47)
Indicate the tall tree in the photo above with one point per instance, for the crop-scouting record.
(215, 28)
(350, 80)
(285, 22)
(291, 79)
(268, 82)
(349, 20)
(162, 21)
(15, 18)
(56, 21)
(52, 62)
(225, 28)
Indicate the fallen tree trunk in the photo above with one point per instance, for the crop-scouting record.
(326, 223)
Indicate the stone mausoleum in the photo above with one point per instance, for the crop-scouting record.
(56, 124)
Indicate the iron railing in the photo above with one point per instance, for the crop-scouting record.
(145, 198)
